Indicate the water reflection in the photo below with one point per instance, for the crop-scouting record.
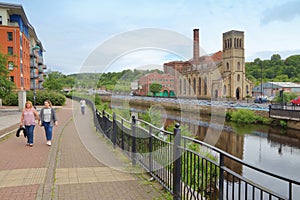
(270, 148)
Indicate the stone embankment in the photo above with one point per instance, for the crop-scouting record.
(182, 106)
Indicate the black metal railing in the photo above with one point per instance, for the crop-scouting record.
(186, 167)
(284, 111)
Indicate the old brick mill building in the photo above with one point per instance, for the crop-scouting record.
(219, 75)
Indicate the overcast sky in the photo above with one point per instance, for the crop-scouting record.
(74, 32)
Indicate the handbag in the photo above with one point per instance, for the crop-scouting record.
(21, 131)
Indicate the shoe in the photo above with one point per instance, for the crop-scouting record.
(27, 144)
(30, 145)
(49, 143)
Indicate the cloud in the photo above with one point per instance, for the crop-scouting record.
(130, 44)
(284, 12)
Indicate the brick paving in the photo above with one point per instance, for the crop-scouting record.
(80, 164)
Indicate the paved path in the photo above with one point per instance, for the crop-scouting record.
(80, 164)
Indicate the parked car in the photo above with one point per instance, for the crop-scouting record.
(296, 101)
(260, 99)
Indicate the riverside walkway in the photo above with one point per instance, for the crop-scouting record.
(80, 164)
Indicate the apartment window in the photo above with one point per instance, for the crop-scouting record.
(0, 19)
(10, 65)
(9, 36)
(12, 79)
(10, 50)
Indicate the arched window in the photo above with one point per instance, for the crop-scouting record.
(194, 86)
(227, 65)
(184, 87)
(199, 86)
(205, 86)
(180, 86)
(238, 77)
(238, 66)
(189, 86)
(230, 42)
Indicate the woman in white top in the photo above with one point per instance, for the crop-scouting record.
(48, 120)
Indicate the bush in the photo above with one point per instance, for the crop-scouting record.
(247, 117)
(244, 116)
(56, 98)
(11, 99)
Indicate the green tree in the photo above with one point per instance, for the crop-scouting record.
(293, 61)
(6, 85)
(54, 81)
(155, 88)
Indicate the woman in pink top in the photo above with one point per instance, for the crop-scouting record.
(28, 117)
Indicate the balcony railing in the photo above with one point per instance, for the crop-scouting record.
(33, 63)
(40, 60)
(33, 76)
(13, 24)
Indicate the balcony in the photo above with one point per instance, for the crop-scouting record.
(41, 78)
(40, 60)
(13, 24)
(44, 66)
(41, 70)
(33, 54)
(33, 64)
(33, 76)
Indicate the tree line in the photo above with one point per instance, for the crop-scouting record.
(274, 70)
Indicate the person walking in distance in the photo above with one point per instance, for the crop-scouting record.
(82, 105)
(28, 117)
(48, 120)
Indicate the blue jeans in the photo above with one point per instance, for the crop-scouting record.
(29, 130)
(48, 130)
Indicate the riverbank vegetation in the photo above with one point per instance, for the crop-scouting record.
(246, 116)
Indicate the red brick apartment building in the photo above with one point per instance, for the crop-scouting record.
(166, 80)
(18, 39)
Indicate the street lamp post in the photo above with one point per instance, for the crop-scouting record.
(261, 86)
(34, 74)
(272, 89)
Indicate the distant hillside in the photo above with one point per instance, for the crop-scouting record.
(111, 79)
(275, 69)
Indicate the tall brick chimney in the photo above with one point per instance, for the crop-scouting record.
(196, 47)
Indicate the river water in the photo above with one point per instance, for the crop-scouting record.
(273, 149)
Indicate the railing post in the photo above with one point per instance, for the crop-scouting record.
(221, 177)
(150, 149)
(122, 135)
(133, 129)
(114, 135)
(177, 164)
(104, 122)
